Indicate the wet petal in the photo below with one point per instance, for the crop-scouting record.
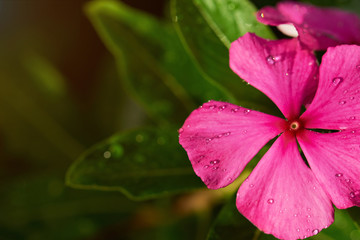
(282, 196)
(318, 28)
(336, 104)
(221, 138)
(280, 69)
(334, 159)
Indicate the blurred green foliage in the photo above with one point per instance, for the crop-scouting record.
(61, 94)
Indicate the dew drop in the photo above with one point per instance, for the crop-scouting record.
(352, 194)
(270, 60)
(353, 131)
(214, 162)
(352, 98)
(251, 185)
(107, 154)
(180, 130)
(206, 166)
(336, 81)
(270, 201)
(342, 102)
(227, 134)
(222, 107)
(245, 131)
(215, 168)
(208, 140)
(247, 111)
(229, 179)
(338, 175)
(345, 91)
(352, 118)
(315, 231)
(358, 67)
(234, 110)
(212, 106)
(309, 209)
(298, 229)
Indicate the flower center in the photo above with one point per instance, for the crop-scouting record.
(295, 125)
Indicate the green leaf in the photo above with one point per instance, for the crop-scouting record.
(142, 164)
(230, 224)
(142, 75)
(41, 207)
(207, 27)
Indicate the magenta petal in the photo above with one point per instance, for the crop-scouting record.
(334, 159)
(282, 196)
(280, 69)
(318, 28)
(336, 104)
(270, 16)
(221, 138)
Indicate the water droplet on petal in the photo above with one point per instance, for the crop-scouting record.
(298, 229)
(270, 60)
(342, 102)
(214, 162)
(358, 67)
(315, 231)
(336, 81)
(270, 201)
(227, 134)
(251, 185)
(352, 194)
(229, 179)
(353, 131)
(222, 107)
(338, 175)
(215, 168)
(180, 130)
(206, 166)
(352, 98)
(247, 111)
(234, 110)
(345, 91)
(352, 118)
(208, 140)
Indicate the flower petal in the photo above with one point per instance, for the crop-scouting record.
(282, 196)
(318, 28)
(270, 16)
(334, 159)
(336, 104)
(280, 69)
(221, 138)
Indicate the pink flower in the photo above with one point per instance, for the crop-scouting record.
(283, 196)
(318, 28)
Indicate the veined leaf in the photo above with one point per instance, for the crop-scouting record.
(142, 164)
